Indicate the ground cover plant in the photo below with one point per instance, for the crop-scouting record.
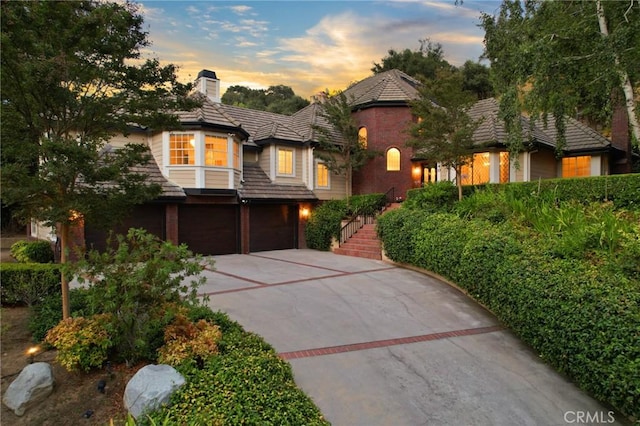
(135, 309)
(563, 273)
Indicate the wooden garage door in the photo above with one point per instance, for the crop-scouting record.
(148, 216)
(273, 227)
(209, 229)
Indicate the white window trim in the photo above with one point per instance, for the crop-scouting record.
(293, 162)
(315, 176)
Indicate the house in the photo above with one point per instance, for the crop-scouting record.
(236, 180)
(381, 107)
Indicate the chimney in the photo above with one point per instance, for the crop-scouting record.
(208, 84)
(620, 140)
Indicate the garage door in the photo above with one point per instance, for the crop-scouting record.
(148, 216)
(209, 229)
(273, 227)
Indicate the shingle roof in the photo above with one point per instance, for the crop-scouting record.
(579, 137)
(257, 185)
(492, 131)
(154, 176)
(387, 87)
(211, 113)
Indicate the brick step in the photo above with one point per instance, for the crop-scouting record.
(367, 232)
(362, 245)
(359, 253)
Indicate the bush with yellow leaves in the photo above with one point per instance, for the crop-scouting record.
(82, 343)
(186, 340)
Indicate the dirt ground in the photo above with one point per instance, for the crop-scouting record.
(74, 393)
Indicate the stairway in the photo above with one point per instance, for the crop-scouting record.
(364, 243)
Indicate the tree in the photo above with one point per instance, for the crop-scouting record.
(279, 99)
(421, 63)
(444, 130)
(72, 77)
(339, 145)
(565, 58)
(477, 79)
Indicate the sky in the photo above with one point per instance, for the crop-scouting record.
(309, 46)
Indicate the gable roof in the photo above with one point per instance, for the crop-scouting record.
(389, 87)
(491, 130)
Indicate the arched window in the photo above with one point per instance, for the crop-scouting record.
(393, 160)
(362, 137)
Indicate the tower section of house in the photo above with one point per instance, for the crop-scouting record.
(381, 108)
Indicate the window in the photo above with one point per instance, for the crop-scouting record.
(285, 161)
(576, 166)
(504, 167)
(362, 137)
(477, 171)
(322, 175)
(181, 149)
(393, 160)
(215, 151)
(236, 155)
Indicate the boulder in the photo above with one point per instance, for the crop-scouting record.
(34, 384)
(151, 387)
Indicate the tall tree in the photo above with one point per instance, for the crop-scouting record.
(477, 79)
(567, 58)
(73, 77)
(444, 130)
(339, 145)
(422, 63)
(279, 99)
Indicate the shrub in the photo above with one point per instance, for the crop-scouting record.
(44, 316)
(28, 283)
(324, 224)
(32, 251)
(247, 383)
(134, 280)
(82, 343)
(395, 229)
(622, 190)
(186, 340)
(436, 197)
(368, 204)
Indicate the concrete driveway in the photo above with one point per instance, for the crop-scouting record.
(375, 344)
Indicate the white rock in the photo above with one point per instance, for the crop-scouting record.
(34, 384)
(151, 387)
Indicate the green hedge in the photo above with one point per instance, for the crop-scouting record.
(582, 318)
(247, 383)
(28, 283)
(32, 251)
(622, 190)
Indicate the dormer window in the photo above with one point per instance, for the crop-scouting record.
(285, 161)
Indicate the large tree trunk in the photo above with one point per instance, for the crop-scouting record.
(64, 244)
(627, 88)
